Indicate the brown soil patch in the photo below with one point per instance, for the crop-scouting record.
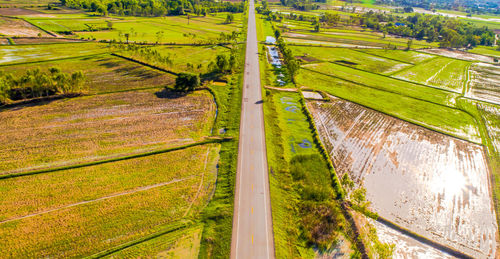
(17, 11)
(18, 27)
(307, 59)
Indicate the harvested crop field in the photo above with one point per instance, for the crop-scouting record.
(459, 55)
(104, 73)
(79, 212)
(96, 127)
(18, 27)
(485, 82)
(432, 184)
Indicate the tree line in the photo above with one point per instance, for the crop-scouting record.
(449, 32)
(154, 7)
(35, 83)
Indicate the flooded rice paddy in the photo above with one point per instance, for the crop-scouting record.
(484, 82)
(429, 183)
(405, 246)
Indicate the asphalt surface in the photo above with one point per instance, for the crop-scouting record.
(252, 222)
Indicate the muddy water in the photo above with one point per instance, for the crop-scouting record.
(485, 82)
(404, 246)
(429, 183)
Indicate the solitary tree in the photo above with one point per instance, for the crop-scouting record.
(408, 44)
(127, 36)
(229, 18)
(186, 82)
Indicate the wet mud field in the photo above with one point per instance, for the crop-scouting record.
(429, 183)
(485, 82)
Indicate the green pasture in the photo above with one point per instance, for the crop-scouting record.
(445, 73)
(434, 116)
(349, 57)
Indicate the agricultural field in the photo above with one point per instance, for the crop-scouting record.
(491, 117)
(125, 164)
(467, 56)
(378, 152)
(18, 27)
(32, 53)
(183, 58)
(96, 127)
(395, 101)
(484, 83)
(183, 243)
(104, 73)
(348, 57)
(406, 246)
(148, 195)
(446, 73)
(410, 57)
(175, 30)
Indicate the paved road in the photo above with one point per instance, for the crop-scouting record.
(252, 224)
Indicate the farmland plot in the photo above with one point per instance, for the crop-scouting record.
(459, 55)
(84, 225)
(406, 246)
(104, 73)
(485, 83)
(412, 57)
(437, 117)
(30, 53)
(491, 115)
(349, 57)
(432, 184)
(449, 74)
(96, 127)
(18, 27)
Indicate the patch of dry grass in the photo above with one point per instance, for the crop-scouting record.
(96, 127)
(79, 223)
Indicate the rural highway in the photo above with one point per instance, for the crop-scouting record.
(252, 222)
